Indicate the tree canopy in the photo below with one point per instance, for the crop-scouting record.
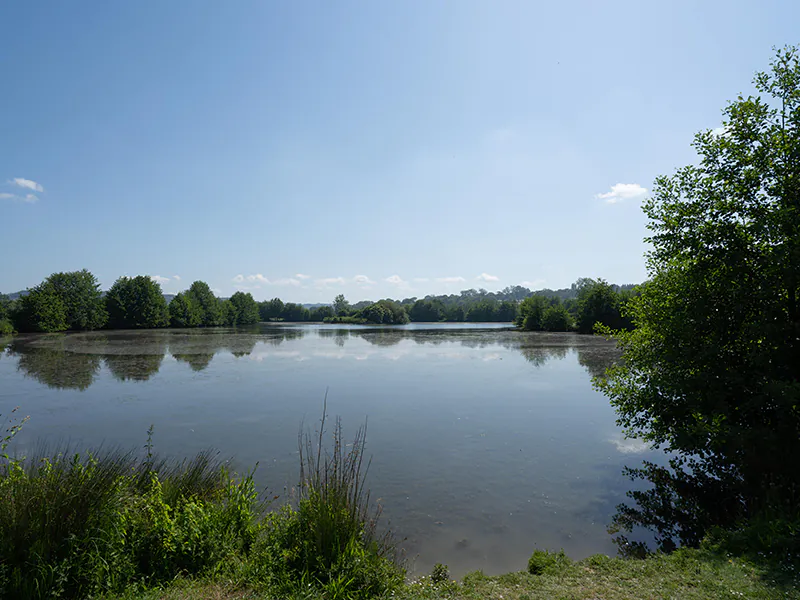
(63, 301)
(136, 302)
(712, 370)
(245, 309)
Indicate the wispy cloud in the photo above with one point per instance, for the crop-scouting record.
(286, 281)
(621, 192)
(255, 281)
(27, 184)
(398, 282)
(159, 279)
(362, 280)
(450, 279)
(302, 277)
(329, 281)
(486, 277)
(421, 280)
(532, 284)
(29, 198)
(176, 277)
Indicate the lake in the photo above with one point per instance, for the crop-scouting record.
(486, 442)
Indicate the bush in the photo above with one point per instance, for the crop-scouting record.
(544, 561)
(330, 541)
(81, 524)
(6, 328)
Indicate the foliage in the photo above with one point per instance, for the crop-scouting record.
(184, 312)
(331, 540)
(544, 561)
(245, 309)
(62, 301)
(320, 313)
(711, 372)
(341, 307)
(429, 311)
(556, 318)
(6, 328)
(383, 312)
(531, 312)
(136, 302)
(42, 310)
(208, 306)
(270, 310)
(76, 525)
(439, 573)
(598, 302)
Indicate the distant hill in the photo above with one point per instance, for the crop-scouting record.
(17, 295)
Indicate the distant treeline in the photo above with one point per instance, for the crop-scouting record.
(74, 301)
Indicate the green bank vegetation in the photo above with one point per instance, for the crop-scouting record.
(74, 302)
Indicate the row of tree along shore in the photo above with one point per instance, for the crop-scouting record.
(74, 302)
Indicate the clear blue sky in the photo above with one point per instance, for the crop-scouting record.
(302, 149)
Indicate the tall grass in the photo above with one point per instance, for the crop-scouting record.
(331, 540)
(77, 524)
(81, 524)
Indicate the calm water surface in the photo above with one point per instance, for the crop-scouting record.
(486, 442)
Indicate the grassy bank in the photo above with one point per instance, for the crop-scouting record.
(684, 574)
(111, 524)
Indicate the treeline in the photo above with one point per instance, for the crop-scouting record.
(73, 301)
(596, 302)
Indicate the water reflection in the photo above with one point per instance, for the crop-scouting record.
(54, 366)
(72, 361)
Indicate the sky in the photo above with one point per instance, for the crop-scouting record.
(376, 149)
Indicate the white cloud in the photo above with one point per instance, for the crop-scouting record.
(421, 279)
(286, 281)
(159, 279)
(216, 291)
(301, 276)
(362, 280)
(176, 277)
(31, 198)
(238, 279)
(622, 191)
(487, 277)
(27, 184)
(531, 285)
(6, 196)
(329, 281)
(395, 280)
(451, 280)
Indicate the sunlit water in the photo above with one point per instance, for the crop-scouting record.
(486, 442)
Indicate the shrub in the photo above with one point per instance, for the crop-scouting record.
(81, 524)
(544, 561)
(330, 540)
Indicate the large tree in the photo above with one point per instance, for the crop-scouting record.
(184, 312)
(208, 305)
(63, 301)
(136, 302)
(712, 371)
(245, 309)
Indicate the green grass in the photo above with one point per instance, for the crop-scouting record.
(100, 523)
(685, 574)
